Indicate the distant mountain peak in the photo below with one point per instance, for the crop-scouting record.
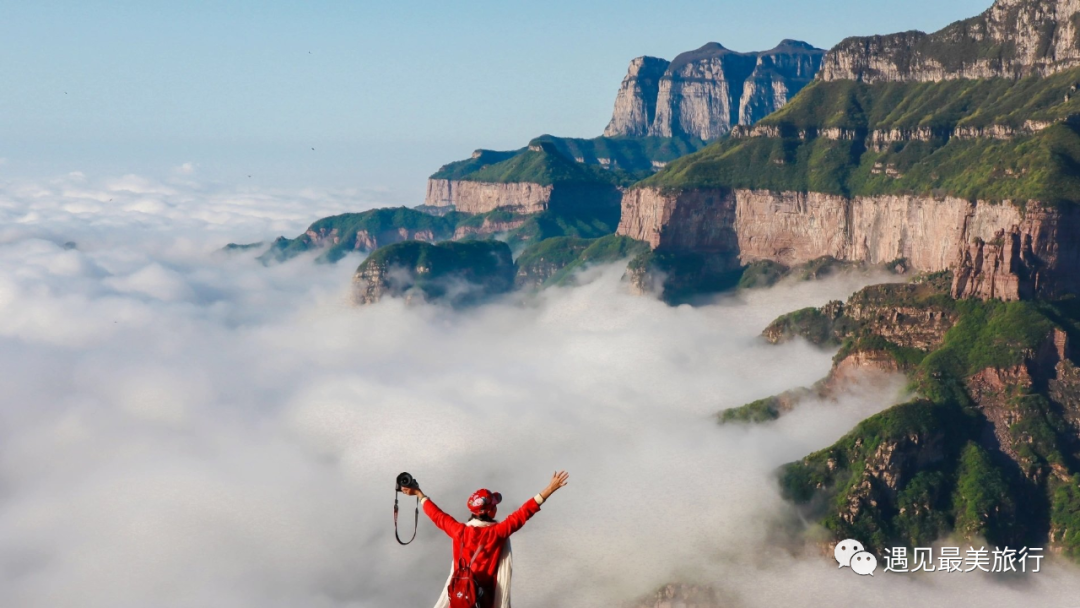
(705, 92)
(789, 43)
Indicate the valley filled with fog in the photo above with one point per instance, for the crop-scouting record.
(184, 427)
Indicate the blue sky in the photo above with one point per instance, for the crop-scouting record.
(385, 92)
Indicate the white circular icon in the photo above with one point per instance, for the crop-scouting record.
(864, 563)
(845, 549)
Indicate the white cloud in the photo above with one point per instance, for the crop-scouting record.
(187, 168)
(188, 429)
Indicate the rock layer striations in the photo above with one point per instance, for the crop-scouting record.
(1012, 39)
(705, 93)
(954, 151)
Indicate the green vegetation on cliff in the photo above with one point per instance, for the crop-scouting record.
(459, 273)
(685, 277)
(1023, 166)
(554, 261)
(939, 106)
(621, 160)
(479, 160)
(631, 154)
(979, 453)
(584, 224)
(339, 233)
(990, 334)
(546, 167)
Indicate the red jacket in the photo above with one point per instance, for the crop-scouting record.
(490, 539)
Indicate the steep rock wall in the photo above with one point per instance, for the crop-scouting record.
(366, 240)
(481, 197)
(704, 93)
(1012, 39)
(635, 105)
(699, 94)
(778, 76)
(793, 228)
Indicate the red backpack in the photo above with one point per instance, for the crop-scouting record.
(464, 592)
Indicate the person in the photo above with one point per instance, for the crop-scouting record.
(486, 538)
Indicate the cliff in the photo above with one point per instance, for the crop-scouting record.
(946, 173)
(702, 94)
(779, 75)
(1012, 39)
(555, 260)
(457, 274)
(635, 104)
(988, 448)
(338, 235)
(538, 179)
(481, 197)
(929, 234)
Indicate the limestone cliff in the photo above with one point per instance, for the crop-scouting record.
(930, 234)
(1012, 39)
(481, 197)
(538, 179)
(703, 93)
(989, 446)
(779, 75)
(635, 105)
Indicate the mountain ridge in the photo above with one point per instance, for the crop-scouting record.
(705, 92)
(1011, 39)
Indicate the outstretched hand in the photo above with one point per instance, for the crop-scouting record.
(413, 492)
(558, 480)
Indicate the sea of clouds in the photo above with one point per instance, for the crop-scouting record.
(181, 427)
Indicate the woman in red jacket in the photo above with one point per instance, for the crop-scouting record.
(487, 539)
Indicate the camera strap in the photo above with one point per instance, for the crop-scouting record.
(416, 521)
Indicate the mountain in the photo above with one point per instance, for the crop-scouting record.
(635, 105)
(531, 181)
(1012, 39)
(945, 173)
(338, 235)
(957, 155)
(990, 447)
(663, 111)
(704, 93)
(457, 274)
(536, 178)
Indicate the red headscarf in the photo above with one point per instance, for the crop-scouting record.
(484, 502)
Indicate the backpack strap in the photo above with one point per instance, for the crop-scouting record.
(461, 559)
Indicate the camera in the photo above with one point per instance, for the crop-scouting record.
(406, 480)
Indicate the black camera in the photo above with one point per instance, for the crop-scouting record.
(406, 480)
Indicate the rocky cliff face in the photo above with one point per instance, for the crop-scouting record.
(706, 92)
(635, 105)
(932, 235)
(1012, 39)
(987, 449)
(453, 273)
(481, 197)
(699, 94)
(778, 76)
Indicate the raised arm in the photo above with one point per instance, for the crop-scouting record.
(517, 519)
(444, 522)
